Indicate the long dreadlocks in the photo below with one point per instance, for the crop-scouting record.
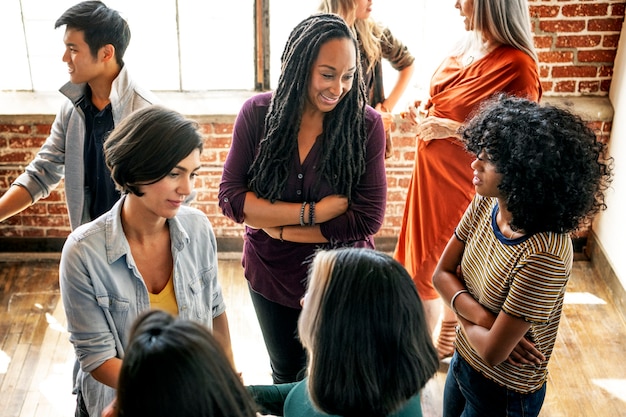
(344, 135)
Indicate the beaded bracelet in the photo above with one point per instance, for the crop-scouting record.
(302, 214)
(312, 213)
(459, 292)
(280, 236)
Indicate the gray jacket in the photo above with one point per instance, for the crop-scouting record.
(62, 153)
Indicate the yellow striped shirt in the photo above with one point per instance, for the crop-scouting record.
(524, 277)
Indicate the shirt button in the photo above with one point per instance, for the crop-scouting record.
(300, 176)
(225, 199)
(299, 192)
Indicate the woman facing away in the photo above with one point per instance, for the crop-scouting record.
(375, 43)
(539, 174)
(148, 251)
(497, 56)
(369, 349)
(305, 170)
(363, 326)
(176, 367)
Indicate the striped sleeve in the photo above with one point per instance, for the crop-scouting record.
(539, 280)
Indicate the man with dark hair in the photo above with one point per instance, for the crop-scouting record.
(101, 93)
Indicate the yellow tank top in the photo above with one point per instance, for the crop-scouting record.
(166, 299)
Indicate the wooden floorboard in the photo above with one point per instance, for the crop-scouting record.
(587, 371)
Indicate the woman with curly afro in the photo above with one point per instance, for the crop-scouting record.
(539, 174)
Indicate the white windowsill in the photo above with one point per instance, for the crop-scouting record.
(210, 103)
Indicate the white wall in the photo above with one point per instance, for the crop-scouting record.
(610, 226)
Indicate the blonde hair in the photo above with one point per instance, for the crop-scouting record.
(319, 277)
(504, 21)
(368, 32)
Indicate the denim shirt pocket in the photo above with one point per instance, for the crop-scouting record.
(116, 310)
(201, 291)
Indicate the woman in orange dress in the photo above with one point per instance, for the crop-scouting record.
(493, 58)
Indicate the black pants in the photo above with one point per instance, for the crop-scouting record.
(279, 325)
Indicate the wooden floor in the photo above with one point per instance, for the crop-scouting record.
(587, 371)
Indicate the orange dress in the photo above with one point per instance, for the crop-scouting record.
(441, 185)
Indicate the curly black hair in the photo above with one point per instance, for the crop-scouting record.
(344, 138)
(554, 170)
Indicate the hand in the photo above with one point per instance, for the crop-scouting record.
(437, 128)
(385, 115)
(414, 113)
(110, 410)
(525, 353)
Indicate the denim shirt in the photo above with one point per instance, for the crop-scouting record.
(103, 291)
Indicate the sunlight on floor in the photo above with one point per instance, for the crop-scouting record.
(582, 298)
(5, 360)
(616, 387)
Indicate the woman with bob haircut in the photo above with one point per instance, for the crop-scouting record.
(175, 367)
(539, 173)
(148, 251)
(306, 170)
(363, 326)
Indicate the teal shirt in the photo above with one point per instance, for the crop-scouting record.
(298, 404)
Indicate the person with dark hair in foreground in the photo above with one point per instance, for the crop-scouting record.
(306, 170)
(175, 367)
(364, 329)
(149, 251)
(539, 174)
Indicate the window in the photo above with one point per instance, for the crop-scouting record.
(190, 45)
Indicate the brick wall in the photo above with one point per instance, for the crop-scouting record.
(576, 41)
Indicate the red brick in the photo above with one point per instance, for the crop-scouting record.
(565, 87)
(547, 86)
(588, 87)
(582, 41)
(14, 128)
(16, 157)
(605, 71)
(610, 41)
(570, 71)
(603, 55)
(578, 10)
(542, 42)
(562, 26)
(223, 128)
(206, 128)
(42, 129)
(617, 9)
(26, 142)
(556, 56)
(605, 25)
(544, 11)
(605, 86)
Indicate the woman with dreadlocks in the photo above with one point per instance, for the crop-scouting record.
(305, 171)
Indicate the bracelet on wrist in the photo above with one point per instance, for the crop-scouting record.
(280, 236)
(453, 299)
(312, 213)
(302, 214)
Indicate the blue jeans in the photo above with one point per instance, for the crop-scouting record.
(469, 394)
